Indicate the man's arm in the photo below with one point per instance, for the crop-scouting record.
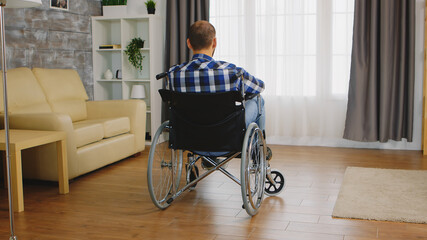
(252, 84)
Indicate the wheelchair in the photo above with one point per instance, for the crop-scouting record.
(205, 127)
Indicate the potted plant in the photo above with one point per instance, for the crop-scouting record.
(151, 6)
(114, 8)
(133, 50)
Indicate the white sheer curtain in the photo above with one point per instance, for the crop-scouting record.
(301, 49)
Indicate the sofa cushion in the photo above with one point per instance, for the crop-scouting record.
(111, 126)
(25, 94)
(64, 91)
(116, 126)
(87, 132)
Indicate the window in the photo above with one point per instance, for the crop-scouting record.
(300, 48)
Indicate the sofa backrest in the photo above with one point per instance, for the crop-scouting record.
(64, 91)
(24, 93)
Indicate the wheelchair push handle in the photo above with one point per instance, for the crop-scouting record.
(161, 75)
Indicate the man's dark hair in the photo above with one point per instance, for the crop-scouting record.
(201, 34)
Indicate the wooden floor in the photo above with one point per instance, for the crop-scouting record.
(113, 203)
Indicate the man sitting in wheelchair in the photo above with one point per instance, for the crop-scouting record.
(216, 111)
(203, 74)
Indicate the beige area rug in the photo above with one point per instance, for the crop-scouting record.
(383, 194)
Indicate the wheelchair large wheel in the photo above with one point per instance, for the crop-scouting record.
(253, 169)
(164, 168)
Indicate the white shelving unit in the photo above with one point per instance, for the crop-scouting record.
(120, 31)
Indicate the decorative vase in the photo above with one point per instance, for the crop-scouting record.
(151, 10)
(108, 75)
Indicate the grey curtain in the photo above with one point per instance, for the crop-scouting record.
(180, 15)
(381, 92)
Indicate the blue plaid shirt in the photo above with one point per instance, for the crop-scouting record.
(204, 74)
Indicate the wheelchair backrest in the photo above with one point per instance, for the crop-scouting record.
(211, 122)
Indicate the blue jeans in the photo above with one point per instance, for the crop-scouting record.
(252, 114)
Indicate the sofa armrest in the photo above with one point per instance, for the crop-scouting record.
(48, 122)
(134, 109)
(45, 122)
(41, 121)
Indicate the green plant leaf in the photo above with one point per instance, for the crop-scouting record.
(134, 53)
(150, 4)
(113, 2)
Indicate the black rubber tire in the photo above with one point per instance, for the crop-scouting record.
(273, 190)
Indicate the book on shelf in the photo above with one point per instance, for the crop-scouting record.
(110, 46)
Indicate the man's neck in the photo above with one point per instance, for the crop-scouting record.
(203, 51)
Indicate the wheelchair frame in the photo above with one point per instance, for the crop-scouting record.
(255, 170)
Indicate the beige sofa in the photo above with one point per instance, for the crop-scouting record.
(98, 132)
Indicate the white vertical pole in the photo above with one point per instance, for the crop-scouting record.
(6, 123)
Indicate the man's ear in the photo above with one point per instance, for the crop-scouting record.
(189, 44)
(214, 43)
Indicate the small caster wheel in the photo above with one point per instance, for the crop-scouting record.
(274, 189)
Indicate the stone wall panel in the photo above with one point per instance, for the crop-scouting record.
(68, 22)
(80, 7)
(16, 57)
(27, 38)
(15, 17)
(70, 41)
(36, 18)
